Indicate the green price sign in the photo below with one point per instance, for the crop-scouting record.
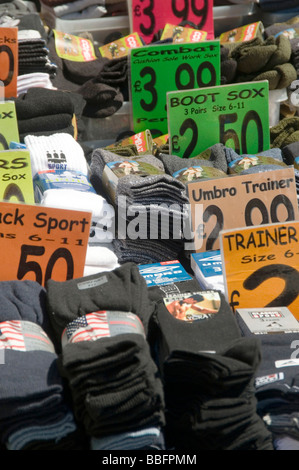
(156, 70)
(235, 115)
(9, 131)
(16, 183)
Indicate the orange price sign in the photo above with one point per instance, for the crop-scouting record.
(260, 198)
(40, 243)
(9, 60)
(261, 266)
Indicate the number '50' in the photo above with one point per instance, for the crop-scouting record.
(26, 266)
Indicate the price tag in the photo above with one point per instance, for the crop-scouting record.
(40, 243)
(73, 48)
(16, 183)
(156, 70)
(235, 115)
(120, 47)
(179, 34)
(260, 198)
(9, 61)
(8, 124)
(147, 17)
(261, 266)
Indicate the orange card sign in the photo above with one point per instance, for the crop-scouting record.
(261, 266)
(240, 201)
(38, 243)
(9, 60)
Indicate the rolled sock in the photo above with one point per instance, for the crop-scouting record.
(75, 6)
(285, 132)
(57, 151)
(101, 255)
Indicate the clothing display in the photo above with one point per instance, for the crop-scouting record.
(138, 352)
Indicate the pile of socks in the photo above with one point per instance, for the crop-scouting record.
(276, 380)
(289, 29)
(35, 413)
(103, 83)
(105, 356)
(12, 11)
(268, 59)
(45, 112)
(207, 370)
(151, 206)
(75, 9)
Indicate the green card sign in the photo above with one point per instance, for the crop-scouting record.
(9, 131)
(16, 183)
(235, 115)
(156, 70)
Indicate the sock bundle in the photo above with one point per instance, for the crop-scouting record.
(43, 112)
(207, 371)
(268, 59)
(34, 411)
(105, 356)
(58, 151)
(151, 205)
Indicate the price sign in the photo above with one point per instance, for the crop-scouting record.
(40, 243)
(261, 266)
(8, 124)
(9, 61)
(235, 115)
(149, 16)
(16, 183)
(155, 70)
(260, 198)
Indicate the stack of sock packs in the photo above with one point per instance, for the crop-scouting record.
(43, 111)
(34, 412)
(151, 206)
(105, 356)
(207, 370)
(277, 377)
(33, 57)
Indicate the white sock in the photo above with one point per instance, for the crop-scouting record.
(59, 151)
